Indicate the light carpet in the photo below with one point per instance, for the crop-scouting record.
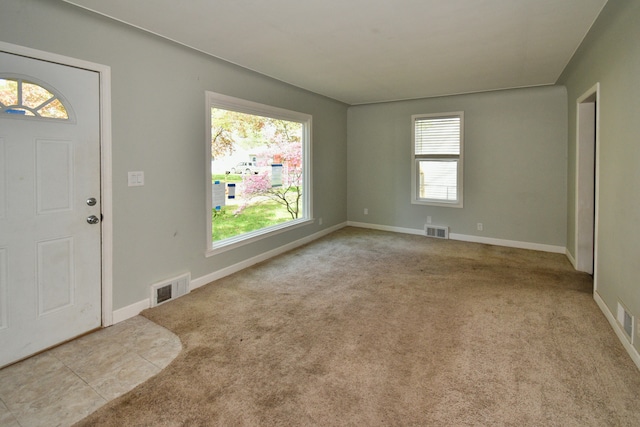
(370, 328)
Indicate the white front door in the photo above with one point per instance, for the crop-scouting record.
(50, 253)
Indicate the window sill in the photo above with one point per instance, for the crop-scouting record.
(254, 236)
(436, 203)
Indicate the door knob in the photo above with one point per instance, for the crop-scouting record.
(93, 219)
(91, 201)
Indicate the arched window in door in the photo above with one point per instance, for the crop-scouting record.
(25, 98)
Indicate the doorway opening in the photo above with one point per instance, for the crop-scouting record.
(587, 151)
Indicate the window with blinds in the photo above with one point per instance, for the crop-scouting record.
(437, 159)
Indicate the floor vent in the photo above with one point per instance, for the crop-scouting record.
(437, 232)
(170, 289)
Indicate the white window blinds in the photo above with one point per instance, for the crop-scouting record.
(437, 136)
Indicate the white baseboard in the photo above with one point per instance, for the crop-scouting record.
(467, 238)
(219, 274)
(572, 260)
(385, 228)
(135, 308)
(633, 353)
(509, 243)
(130, 311)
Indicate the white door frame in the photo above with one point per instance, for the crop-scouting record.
(105, 160)
(587, 180)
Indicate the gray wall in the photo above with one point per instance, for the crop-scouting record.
(514, 165)
(610, 54)
(158, 118)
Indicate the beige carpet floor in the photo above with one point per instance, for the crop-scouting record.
(369, 328)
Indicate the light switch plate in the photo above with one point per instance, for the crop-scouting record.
(136, 179)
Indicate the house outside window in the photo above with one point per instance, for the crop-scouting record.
(258, 171)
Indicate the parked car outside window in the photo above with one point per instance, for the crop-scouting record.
(247, 168)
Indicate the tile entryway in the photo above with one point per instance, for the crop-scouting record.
(63, 385)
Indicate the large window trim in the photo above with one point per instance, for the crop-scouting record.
(216, 100)
(415, 159)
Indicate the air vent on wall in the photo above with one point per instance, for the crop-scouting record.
(436, 231)
(170, 289)
(625, 318)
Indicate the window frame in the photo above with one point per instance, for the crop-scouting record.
(416, 158)
(217, 100)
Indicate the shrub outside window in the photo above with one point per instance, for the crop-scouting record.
(258, 171)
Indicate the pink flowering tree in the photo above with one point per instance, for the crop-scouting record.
(289, 193)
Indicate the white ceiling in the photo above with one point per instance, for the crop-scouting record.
(364, 51)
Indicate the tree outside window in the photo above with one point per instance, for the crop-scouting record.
(257, 169)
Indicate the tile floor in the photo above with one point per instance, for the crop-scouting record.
(67, 383)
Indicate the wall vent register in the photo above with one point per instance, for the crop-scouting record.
(170, 289)
(436, 231)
